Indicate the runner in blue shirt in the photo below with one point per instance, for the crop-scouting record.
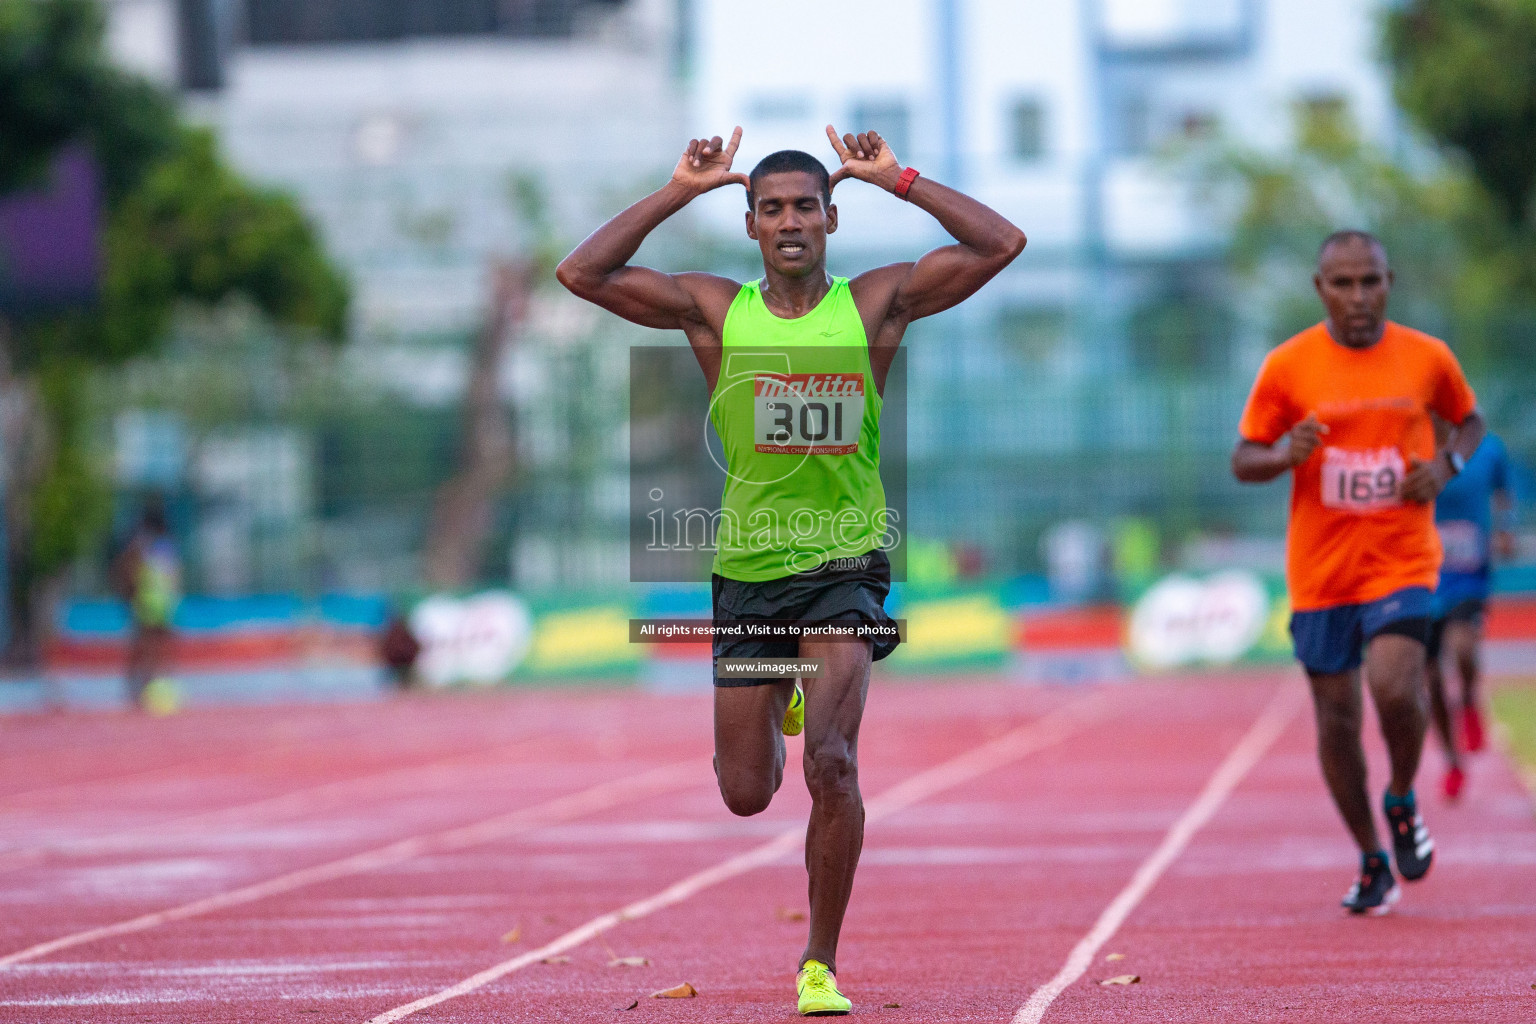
(1472, 514)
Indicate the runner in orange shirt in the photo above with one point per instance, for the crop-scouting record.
(1352, 398)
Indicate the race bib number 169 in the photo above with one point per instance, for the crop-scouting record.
(1362, 481)
(808, 413)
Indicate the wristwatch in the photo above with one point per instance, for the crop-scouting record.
(1457, 460)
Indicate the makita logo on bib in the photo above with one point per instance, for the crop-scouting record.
(809, 385)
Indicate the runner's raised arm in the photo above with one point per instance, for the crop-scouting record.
(597, 270)
(985, 240)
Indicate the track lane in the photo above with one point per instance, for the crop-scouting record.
(54, 755)
(1277, 714)
(294, 744)
(966, 900)
(1246, 925)
(964, 768)
(435, 772)
(90, 892)
(587, 801)
(240, 963)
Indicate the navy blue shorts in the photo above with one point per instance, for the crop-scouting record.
(1333, 639)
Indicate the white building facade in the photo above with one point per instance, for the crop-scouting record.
(1052, 394)
(409, 143)
(1050, 111)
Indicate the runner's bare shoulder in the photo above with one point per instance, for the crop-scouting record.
(874, 294)
(712, 295)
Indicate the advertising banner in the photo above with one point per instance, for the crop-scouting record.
(952, 629)
(1214, 619)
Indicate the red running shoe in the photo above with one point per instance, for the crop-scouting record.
(1455, 778)
(1471, 728)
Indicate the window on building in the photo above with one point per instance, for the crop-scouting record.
(204, 28)
(346, 21)
(1181, 329)
(1163, 25)
(1133, 127)
(1026, 129)
(780, 107)
(889, 117)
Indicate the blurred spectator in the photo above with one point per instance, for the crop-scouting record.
(147, 575)
(930, 563)
(1074, 558)
(1137, 556)
(970, 561)
(399, 649)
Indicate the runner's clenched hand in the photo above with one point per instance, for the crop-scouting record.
(865, 156)
(1505, 547)
(1305, 437)
(1424, 480)
(706, 164)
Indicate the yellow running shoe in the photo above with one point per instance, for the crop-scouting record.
(160, 697)
(819, 996)
(794, 718)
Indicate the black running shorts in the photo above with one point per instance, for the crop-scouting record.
(1471, 610)
(843, 589)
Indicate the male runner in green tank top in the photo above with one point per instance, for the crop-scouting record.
(796, 364)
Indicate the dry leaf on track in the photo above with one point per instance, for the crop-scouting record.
(786, 914)
(683, 991)
(632, 1004)
(515, 935)
(1115, 956)
(629, 961)
(1122, 979)
(892, 1006)
(556, 960)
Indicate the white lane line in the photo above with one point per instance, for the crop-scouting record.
(175, 769)
(588, 801)
(297, 802)
(1011, 746)
(1277, 714)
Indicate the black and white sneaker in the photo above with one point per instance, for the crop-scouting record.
(1412, 847)
(1375, 891)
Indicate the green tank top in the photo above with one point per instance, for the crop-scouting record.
(799, 419)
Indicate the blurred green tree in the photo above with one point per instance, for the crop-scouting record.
(181, 227)
(58, 85)
(1465, 71)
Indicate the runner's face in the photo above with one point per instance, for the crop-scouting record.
(1353, 280)
(790, 223)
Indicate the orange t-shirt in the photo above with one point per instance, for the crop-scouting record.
(1352, 540)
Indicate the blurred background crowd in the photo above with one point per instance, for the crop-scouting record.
(283, 269)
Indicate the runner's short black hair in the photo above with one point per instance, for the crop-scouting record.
(790, 160)
(1350, 235)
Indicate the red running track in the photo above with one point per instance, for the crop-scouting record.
(353, 863)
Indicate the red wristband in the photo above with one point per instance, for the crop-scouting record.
(904, 182)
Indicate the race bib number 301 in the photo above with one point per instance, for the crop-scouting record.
(808, 413)
(1362, 481)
